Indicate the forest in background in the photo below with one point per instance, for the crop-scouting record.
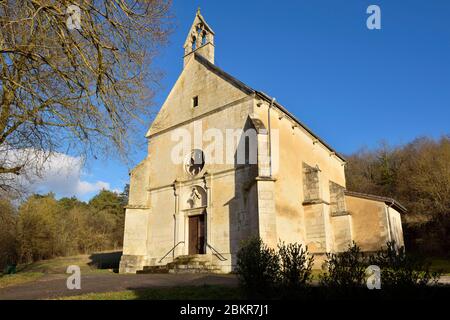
(43, 227)
(418, 176)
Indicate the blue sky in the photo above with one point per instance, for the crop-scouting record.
(352, 86)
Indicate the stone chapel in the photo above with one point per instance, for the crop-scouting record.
(289, 186)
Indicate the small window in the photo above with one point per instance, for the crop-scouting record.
(195, 102)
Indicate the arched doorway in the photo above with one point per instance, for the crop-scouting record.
(196, 216)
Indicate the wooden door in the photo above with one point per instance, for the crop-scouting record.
(193, 234)
(201, 234)
(197, 234)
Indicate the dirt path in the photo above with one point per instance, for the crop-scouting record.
(53, 286)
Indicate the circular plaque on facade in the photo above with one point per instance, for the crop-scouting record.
(195, 162)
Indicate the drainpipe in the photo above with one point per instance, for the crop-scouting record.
(269, 138)
(175, 219)
(174, 234)
(388, 216)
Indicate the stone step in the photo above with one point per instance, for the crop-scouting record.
(153, 269)
(192, 266)
(195, 270)
(185, 264)
(189, 263)
(193, 258)
(180, 268)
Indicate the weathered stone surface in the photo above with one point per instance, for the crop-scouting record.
(337, 199)
(311, 185)
(374, 223)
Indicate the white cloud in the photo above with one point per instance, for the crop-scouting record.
(84, 187)
(59, 173)
(63, 175)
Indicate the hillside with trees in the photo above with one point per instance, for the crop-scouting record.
(417, 175)
(43, 227)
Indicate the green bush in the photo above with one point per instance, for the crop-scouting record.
(295, 268)
(258, 269)
(345, 270)
(400, 270)
(286, 273)
(266, 273)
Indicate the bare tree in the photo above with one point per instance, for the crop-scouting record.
(74, 88)
(416, 174)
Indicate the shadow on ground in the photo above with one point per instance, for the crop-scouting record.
(202, 292)
(106, 260)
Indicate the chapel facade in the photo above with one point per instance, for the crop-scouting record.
(227, 162)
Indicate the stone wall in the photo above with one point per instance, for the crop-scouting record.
(337, 199)
(135, 240)
(311, 185)
(342, 231)
(139, 183)
(291, 147)
(369, 223)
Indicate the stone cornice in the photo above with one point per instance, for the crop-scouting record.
(261, 178)
(137, 206)
(340, 213)
(314, 201)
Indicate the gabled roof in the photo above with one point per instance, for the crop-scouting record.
(246, 89)
(389, 201)
(204, 22)
(225, 76)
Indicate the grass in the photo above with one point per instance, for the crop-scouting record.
(15, 279)
(207, 292)
(440, 264)
(104, 262)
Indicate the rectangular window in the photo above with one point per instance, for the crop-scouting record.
(195, 102)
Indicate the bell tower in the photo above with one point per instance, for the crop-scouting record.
(200, 39)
